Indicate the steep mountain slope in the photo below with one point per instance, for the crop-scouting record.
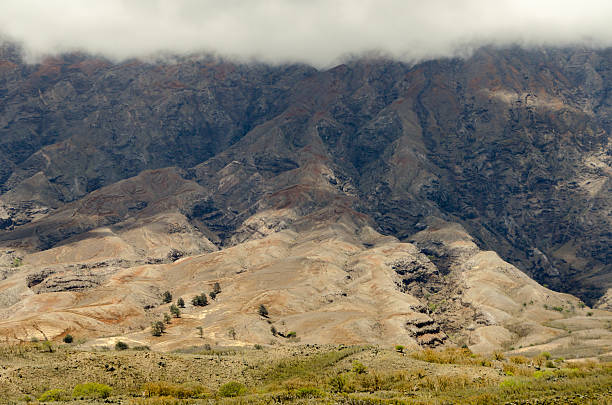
(111, 172)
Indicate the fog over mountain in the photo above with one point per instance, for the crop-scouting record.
(317, 32)
(414, 198)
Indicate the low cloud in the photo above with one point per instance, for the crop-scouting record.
(318, 32)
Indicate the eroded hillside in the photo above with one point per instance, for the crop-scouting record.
(372, 202)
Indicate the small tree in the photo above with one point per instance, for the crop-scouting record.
(273, 330)
(68, 338)
(200, 332)
(167, 297)
(216, 288)
(167, 318)
(231, 332)
(199, 300)
(180, 302)
(157, 328)
(212, 295)
(121, 345)
(175, 311)
(263, 311)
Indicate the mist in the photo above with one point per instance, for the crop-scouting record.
(317, 32)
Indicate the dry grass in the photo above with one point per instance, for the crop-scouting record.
(451, 356)
(304, 375)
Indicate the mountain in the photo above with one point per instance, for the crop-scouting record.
(376, 201)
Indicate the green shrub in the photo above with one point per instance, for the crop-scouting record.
(511, 383)
(546, 355)
(157, 328)
(216, 288)
(91, 390)
(199, 300)
(337, 383)
(121, 345)
(68, 338)
(167, 297)
(263, 311)
(181, 303)
(55, 394)
(308, 392)
(399, 348)
(232, 389)
(47, 346)
(359, 368)
(175, 311)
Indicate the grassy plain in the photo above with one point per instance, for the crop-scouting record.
(299, 374)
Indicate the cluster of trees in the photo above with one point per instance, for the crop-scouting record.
(159, 327)
(201, 300)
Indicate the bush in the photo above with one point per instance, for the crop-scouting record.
(546, 355)
(180, 302)
(359, 368)
(175, 311)
(308, 392)
(216, 288)
(167, 297)
(212, 295)
(47, 346)
(450, 356)
(337, 383)
(263, 311)
(199, 300)
(53, 395)
(68, 339)
(91, 390)
(399, 348)
(519, 360)
(121, 345)
(232, 389)
(157, 328)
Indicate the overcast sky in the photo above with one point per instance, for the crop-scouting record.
(319, 32)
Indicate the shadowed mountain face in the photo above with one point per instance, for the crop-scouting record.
(170, 159)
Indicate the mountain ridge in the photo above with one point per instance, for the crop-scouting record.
(160, 161)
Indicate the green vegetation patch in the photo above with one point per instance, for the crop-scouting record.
(91, 390)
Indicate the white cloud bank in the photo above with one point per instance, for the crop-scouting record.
(319, 32)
